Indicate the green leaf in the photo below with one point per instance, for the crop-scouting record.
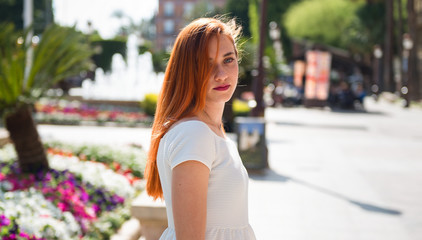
(60, 53)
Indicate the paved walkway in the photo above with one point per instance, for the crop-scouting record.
(341, 175)
(333, 175)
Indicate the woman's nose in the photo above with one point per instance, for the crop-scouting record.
(220, 73)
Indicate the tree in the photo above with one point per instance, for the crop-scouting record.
(61, 52)
(11, 11)
(240, 10)
(323, 21)
(369, 27)
(276, 9)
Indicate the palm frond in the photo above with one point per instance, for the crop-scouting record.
(62, 52)
(12, 62)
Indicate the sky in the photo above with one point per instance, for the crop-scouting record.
(99, 12)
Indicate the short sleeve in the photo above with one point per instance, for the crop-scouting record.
(192, 140)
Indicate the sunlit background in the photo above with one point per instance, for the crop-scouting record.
(106, 16)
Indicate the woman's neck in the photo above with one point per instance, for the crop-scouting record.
(212, 115)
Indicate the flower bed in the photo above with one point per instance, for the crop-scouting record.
(75, 199)
(129, 161)
(63, 112)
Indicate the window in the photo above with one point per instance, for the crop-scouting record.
(168, 9)
(188, 8)
(168, 26)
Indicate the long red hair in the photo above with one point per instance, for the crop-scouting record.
(183, 91)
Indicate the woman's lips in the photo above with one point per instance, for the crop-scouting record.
(222, 88)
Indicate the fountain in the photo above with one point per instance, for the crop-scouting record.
(126, 81)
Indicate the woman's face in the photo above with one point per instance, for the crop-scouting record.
(223, 80)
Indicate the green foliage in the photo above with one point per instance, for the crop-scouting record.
(254, 20)
(272, 68)
(248, 52)
(147, 46)
(240, 10)
(240, 108)
(369, 27)
(107, 48)
(61, 52)
(275, 10)
(159, 61)
(11, 11)
(324, 21)
(149, 104)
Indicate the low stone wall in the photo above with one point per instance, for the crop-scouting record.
(4, 137)
(151, 215)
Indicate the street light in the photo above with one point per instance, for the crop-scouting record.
(259, 110)
(407, 46)
(275, 36)
(28, 19)
(376, 87)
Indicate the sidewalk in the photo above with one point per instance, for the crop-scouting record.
(340, 175)
(333, 175)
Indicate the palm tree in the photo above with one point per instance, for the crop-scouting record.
(61, 52)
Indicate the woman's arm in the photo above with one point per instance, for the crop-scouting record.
(189, 197)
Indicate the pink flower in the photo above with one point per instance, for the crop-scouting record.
(4, 221)
(25, 235)
(96, 208)
(84, 196)
(62, 206)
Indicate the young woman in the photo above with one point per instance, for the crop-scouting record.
(191, 162)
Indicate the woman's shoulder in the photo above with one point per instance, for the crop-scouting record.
(194, 133)
(189, 126)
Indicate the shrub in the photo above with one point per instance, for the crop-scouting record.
(149, 104)
(108, 48)
(240, 108)
(159, 61)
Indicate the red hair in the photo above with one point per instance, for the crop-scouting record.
(184, 88)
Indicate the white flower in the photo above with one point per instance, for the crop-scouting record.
(94, 173)
(6, 185)
(7, 153)
(35, 215)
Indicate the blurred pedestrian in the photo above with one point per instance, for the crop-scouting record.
(191, 163)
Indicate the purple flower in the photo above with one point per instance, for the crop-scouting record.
(4, 221)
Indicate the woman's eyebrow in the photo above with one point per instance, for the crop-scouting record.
(228, 54)
(225, 55)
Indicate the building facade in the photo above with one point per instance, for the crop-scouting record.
(172, 16)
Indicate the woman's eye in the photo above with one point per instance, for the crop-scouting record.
(228, 60)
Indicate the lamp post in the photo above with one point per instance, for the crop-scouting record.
(251, 130)
(275, 36)
(259, 110)
(407, 46)
(28, 19)
(376, 88)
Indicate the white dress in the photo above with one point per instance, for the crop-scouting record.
(227, 198)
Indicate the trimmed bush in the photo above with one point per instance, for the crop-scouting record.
(240, 108)
(107, 49)
(149, 104)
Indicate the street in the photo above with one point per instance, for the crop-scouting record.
(341, 175)
(333, 175)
